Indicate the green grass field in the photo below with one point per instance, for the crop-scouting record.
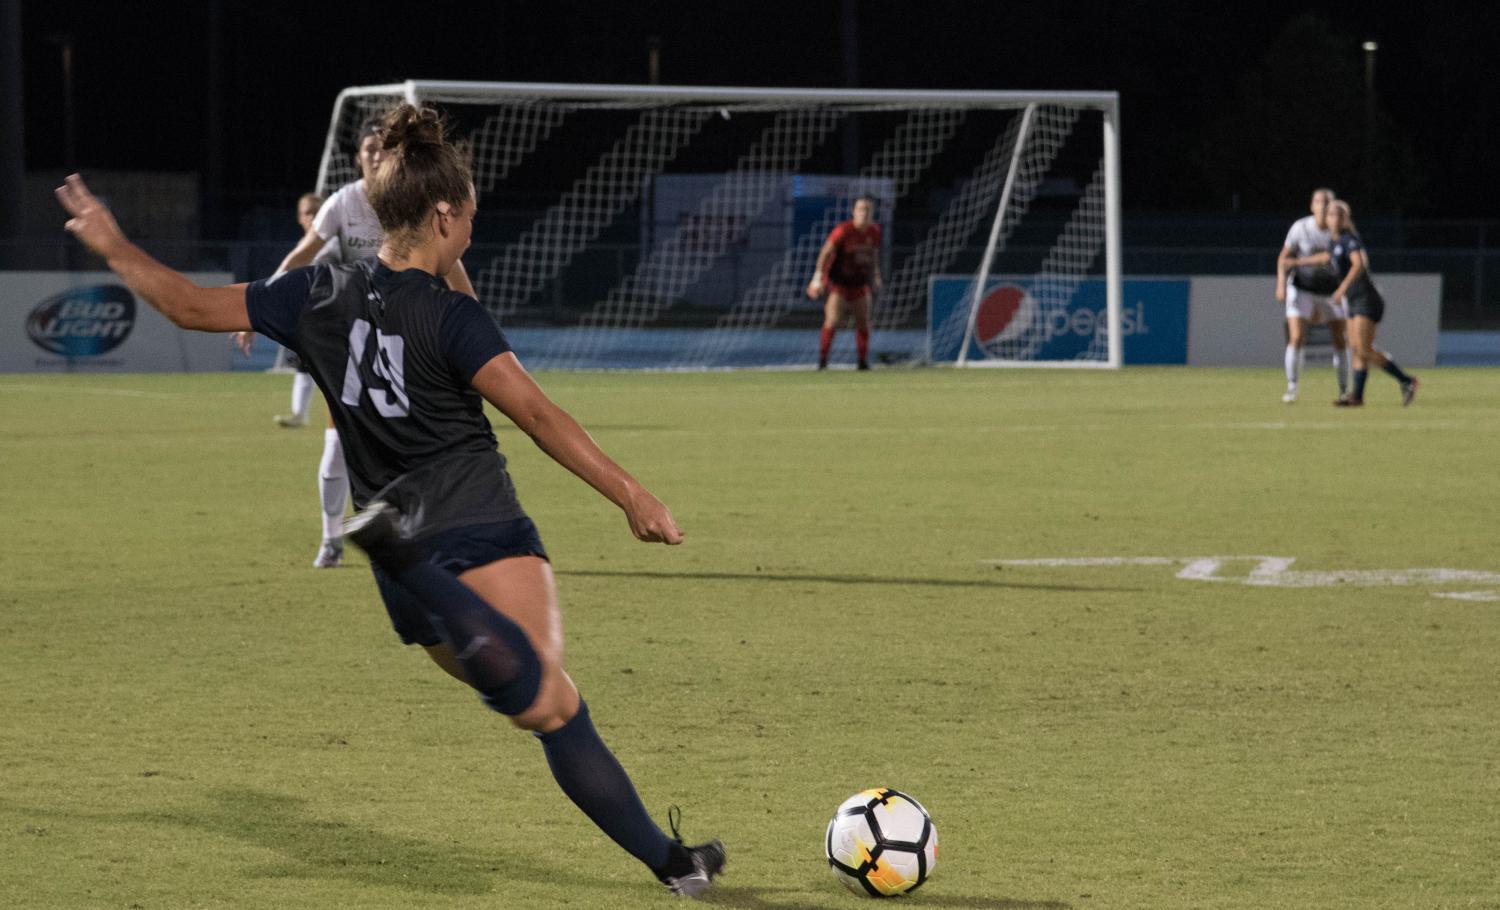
(191, 716)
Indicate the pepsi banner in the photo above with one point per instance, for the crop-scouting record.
(90, 322)
(1016, 320)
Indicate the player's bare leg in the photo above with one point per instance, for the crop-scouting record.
(501, 625)
(1296, 335)
(522, 590)
(1365, 355)
(833, 314)
(859, 309)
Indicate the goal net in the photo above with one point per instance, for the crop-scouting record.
(649, 227)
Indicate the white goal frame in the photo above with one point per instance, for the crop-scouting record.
(417, 91)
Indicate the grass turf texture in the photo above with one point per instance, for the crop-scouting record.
(194, 717)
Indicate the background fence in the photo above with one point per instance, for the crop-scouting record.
(1465, 252)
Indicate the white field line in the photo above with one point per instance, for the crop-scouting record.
(1018, 428)
(1277, 572)
(91, 390)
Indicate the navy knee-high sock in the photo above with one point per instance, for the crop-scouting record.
(497, 658)
(592, 778)
(1396, 372)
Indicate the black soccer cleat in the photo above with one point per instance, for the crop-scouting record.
(1408, 391)
(1348, 401)
(690, 871)
(823, 363)
(863, 365)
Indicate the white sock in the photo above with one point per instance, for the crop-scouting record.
(1293, 365)
(302, 389)
(333, 484)
(1341, 366)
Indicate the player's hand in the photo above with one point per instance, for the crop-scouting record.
(651, 521)
(89, 220)
(1280, 293)
(815, 289)
(243, 341)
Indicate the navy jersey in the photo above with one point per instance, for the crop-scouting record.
(1341, 250)
(393, 353)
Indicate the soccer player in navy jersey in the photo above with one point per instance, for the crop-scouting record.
(1365, 304)
(406, 364)
(343, 228)
(848, 269)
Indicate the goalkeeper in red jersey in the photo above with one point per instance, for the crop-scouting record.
(848, 270)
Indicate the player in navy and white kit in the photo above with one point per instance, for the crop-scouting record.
(406, 365)
(1305, 284)
(848, 269)
(1365, 305)
(344, 229)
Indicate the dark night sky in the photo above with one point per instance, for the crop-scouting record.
(143, 77)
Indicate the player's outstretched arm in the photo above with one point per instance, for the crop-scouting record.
(505, 384)
(1283, 266)
(1356, 265)
(180, 300)
(303, 253)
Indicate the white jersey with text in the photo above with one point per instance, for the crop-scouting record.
(1307, 239)
(348, 217)
(331, 253)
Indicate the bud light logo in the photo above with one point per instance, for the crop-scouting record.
(83, 322)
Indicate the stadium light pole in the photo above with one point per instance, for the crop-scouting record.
(12, 124)
(849, 43)
(1370, 47)
(64, 41)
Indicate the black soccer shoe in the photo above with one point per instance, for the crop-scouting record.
(1408, 391)
(1348, 401)
(690, 871)
(863, 365)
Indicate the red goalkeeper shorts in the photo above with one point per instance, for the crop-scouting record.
(849, 291)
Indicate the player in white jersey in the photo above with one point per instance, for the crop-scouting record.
(1304, 284)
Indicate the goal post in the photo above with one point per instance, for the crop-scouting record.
(676, 227)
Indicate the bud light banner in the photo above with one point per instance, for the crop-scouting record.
(1017, 321)
(84, 321)
(90, 322)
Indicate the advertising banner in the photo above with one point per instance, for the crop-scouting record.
(1153, 319)
(57, 322)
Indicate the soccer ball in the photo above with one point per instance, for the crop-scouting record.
(881, 843)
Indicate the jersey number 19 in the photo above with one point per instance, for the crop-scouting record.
(383, 360)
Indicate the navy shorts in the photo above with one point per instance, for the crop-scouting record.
(457, 550)
(1368, 304)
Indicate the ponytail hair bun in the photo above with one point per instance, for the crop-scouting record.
(418, 169)
(408, 127)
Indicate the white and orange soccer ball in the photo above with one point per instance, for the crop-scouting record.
(881, 843)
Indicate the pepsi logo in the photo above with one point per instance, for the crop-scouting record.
(1005, 314)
